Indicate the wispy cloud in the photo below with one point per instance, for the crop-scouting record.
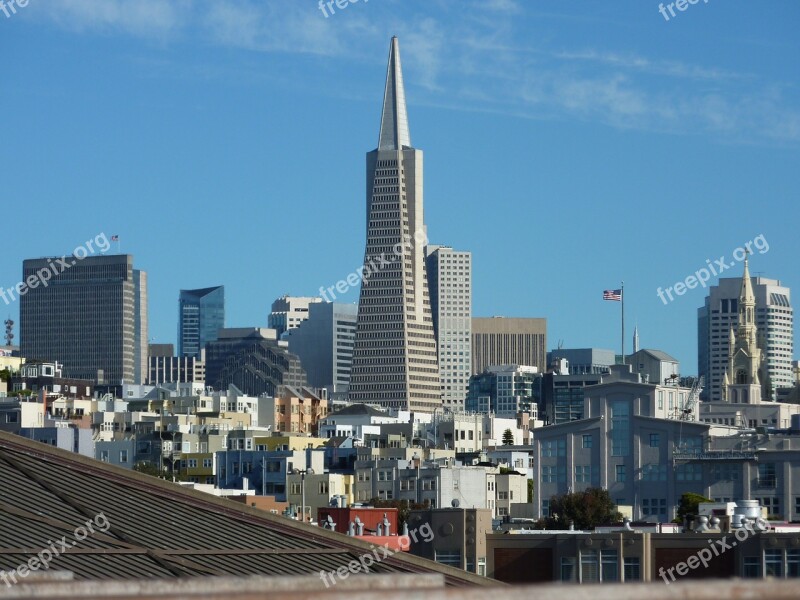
(485, 56)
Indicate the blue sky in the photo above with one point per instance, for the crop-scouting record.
(569, 145)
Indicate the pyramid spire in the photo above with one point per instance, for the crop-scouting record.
(394, 120)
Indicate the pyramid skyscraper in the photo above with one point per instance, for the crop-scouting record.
(394, 359)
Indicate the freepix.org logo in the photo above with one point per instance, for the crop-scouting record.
(55, 267)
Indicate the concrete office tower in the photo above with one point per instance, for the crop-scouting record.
(450, 285)
(324, 343)
(201, 314)
(508, 341)
(92, 318)
(289, 311)
(394, 360)
(774, 320)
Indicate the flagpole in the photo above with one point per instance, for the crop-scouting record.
(622, 303)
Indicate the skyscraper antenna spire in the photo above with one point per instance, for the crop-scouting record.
(394, 119)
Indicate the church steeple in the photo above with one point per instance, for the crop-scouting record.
(742, 380)
(394, 119)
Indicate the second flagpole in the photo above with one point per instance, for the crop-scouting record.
(622, 303)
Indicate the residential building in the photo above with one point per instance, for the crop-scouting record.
(201, 314)
(505, 390)
(176, 369)
(505, 341)
(450, 285)
(324, 344)
(266, 472)
(35, 376)
(91, 318)
(294, 410)
(320, 490)
(774, 332)
(357, 420)
(289, 311)
(394, 360)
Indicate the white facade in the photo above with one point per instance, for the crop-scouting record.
(775, 331)
(289, 311)
(394, 359)
(450, 284)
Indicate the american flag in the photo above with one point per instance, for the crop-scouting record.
(114, 238)
(615, 295)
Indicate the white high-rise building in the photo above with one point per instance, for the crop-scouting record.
(450, 285)
(774, 321)
(394, 359)
(289, 311)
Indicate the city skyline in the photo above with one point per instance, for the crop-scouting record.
(631, 117)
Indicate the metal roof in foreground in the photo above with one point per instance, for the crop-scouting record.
(146, 528)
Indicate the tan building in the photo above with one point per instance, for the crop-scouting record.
(504, 341)
(320, 490)
(295, 410)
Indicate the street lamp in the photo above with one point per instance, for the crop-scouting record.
(303, 473)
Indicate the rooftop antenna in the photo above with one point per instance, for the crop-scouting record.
(9, 337)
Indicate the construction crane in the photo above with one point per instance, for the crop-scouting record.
(687, 414)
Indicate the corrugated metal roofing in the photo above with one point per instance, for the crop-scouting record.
(157, 528)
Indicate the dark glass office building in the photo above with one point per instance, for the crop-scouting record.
(201, 314)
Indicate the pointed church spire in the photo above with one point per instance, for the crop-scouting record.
(394, 120)
(747, 296)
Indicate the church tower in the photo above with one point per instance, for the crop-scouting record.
(744, 382)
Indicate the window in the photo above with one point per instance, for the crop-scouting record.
(12, 417)
(323, 487)
(620, 428)
(545, 508)
(773, 563)
(568, 570)
(633, 571)
(123, 456)
(689, 472)
(552, 448)
(797, 505)
(766, 475)
(655, 440)
(620, 473)
(192, 463)
(586, 441)
(583, 474)
(104, 455)
(793, 563)
(653, 472)
(609, 565)
(772, 504)
(295, 489)
(752, 567)
(448, 557)
(589, 568)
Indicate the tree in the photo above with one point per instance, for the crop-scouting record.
(688, 506)
(530, 491)
(404, 508)
(586, 510)
(508, 438)
(5, 375)
(149, 468)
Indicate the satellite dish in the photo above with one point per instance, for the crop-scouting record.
(455, 503)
